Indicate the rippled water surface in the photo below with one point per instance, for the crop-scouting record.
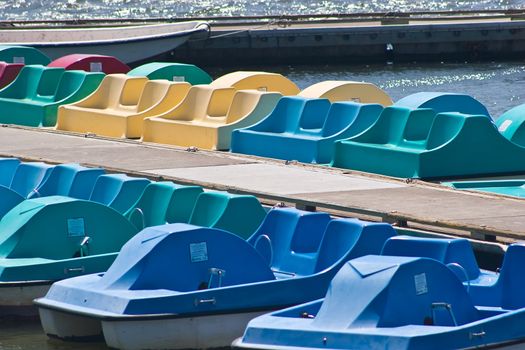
(62, 9)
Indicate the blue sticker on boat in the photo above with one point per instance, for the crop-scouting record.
(75, 227)
(421, 283)
(198, 252)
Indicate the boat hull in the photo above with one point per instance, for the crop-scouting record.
(16, 298)
(69, 326)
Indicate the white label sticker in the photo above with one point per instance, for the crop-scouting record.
(504, 125)
(421, 283)
(178, 78)
(355, 99)
(95, 67)
(75, 227)
(18, 59)
(198, 252)
(262, 88)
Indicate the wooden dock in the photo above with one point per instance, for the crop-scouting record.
(414, 204)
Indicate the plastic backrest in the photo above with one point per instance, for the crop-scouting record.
(108, 92)
(313, 116)
(28, 176)
(151, 208)
(294, 237)
(220, 102)
(48, 83)
(243, 102)
(152, 94)
(511, 277)
(349, 239)
(286, 115)
(8, 168)
(208, 208)
(194, 105)
(25, 84)
(71, 180)
(182, 203)
(132, 90)
(118, 191)
(418, 125)
(70, 82)
(388, 128)
(457, 250)
(444, 128)
(9, 72)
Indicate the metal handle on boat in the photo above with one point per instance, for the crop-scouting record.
(462, 269)
(477, 335)
(35, 191)
(214, 271)
(445, 306)
(74, 269)
(205, 301)
(267, 239)
(84, 246)
(141, 213)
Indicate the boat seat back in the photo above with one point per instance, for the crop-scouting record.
(107, 94)
(189, 258)
(194, 105)
(445, 127)
(25, 84)
(171, 71)
(242, 104)
(346, 239)
(8, 168)
(71, 180)
(418, 125)
(447, 251)
(54, 228)
(386, 291)
(153, 93)
(70, 82)
(312, 117)
(511, 278)
(345, 114)
(389, 127)
(28, 177)
(219, 103)
(285, 117)
(182, 204)
(289, 239)
(151, 208)
(223, 210)
(47, 85)
(9, 72)
(131, 91)
(118, 191)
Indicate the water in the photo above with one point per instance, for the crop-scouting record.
(70, 9)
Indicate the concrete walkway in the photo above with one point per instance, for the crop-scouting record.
(442, 209)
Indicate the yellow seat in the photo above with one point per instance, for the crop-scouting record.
(262, 81)
(119, 106)
(208, 115)
(347, 91)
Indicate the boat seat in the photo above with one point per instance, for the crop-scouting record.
(224, 211)
(8, 72)
(210, 122)
(118, 191)
(119, 106)
(71, 180)
(91, 63)
(28, 176)
(177, 72)
(33, 98)
(304, 129)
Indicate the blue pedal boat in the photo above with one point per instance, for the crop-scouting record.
(184, 286)
(385, 302)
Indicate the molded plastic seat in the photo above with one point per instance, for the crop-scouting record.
(8, 73)
(71, 180)
(118, 107)
(28, 176)
(207, 117)
(354, 91)
(177, 72)
(23, 55)
(416, 144)
(262, 81)
(35, 95)
(441, 102)
(304, 129)
(8, 168)
(118, 191)
(91, 63)
(238, 214)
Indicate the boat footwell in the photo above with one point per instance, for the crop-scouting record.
(204, 332)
